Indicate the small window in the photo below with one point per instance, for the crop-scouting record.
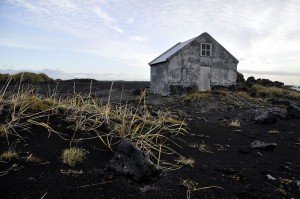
(206, 49)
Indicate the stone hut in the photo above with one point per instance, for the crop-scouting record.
(196, 64)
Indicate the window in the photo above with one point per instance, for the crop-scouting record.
(206, 49)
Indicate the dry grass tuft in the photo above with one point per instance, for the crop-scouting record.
(186, 161)
(273, 132)
(275, 92)
(26, 77)
(172, 120)
(4, 128)
(196, 96)
(9, 155)
(235, 123)
(192, 186)
(244, 95)
(73, 156)
(220, 92)
(204, 148)
(32, 159)
(71, 172)
(281, 191)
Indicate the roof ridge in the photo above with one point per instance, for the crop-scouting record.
(167, 54)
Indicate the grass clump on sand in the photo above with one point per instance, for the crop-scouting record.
(186, 161)
(274, 132)
(196, 96)
(32, 159)
(9, 155)
(39, 104)
(204, 148)
(73, 156)
(89, 118)
(275, 92)
(220, 92)
(244, 95)
(235, 123)
(4, 128)
(192, 186)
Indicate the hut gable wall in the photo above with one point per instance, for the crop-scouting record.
(184, 66)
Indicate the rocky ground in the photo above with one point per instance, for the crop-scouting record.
(231, 154)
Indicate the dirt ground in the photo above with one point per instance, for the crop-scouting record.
(221, 153)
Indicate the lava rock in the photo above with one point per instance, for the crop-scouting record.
(264, 82)
(279, 101)
(269, 116)
(293, 111)
(245, 150)
(241, 82)
(133, 163)
(262, 145)
(251, 81)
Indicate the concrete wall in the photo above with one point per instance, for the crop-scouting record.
(159, 79)
(184, 66)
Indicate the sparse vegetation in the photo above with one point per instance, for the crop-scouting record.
(73, 156)
(4, 130)
(281, 191)
(244, 95)
(9, 155)
(90, 121)
(32, 159)
(85, 115)
(186, 161)
(196, 96)
(273, 132)
(71, 172)
(275, 92)
(27, 77)
(235, 123)
(192, 186)
(204, 148)
(220, 92)
(4, 77)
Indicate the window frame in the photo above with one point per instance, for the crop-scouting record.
(205, 50)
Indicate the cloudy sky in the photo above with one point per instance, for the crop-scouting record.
(115, 39)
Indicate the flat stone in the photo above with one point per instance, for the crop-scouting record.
(262, 145)
(269, 116)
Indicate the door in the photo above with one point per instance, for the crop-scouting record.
(204, 78)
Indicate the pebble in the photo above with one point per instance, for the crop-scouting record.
(270, 177)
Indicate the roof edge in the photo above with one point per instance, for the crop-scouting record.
(151, 63)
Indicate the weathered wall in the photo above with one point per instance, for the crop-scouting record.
(184, 66)
(159, 79)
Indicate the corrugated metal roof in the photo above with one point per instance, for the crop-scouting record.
(164, 57)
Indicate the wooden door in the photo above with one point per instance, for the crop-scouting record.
(204, 78)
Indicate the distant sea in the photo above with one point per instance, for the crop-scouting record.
(296, 87)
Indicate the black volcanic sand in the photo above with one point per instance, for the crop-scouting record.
(242, 175)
